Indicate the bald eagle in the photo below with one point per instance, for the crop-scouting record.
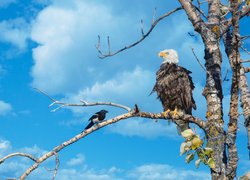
(174, 87)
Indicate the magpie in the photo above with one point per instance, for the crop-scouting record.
(96, 118)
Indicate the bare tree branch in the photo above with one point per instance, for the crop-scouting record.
(244, 49)
(196, 57)
(201, 12)
(103, 55)
(247, 69)
(244, 37)
(83, 103)
(225, 78)
(57, 166)
(245, 61)
(243, 13)
(134, 113)
(192, 14)
(18, 154)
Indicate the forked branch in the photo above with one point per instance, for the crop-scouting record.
(83, 103)
(103, 55)
(18, 154)
(131, 113)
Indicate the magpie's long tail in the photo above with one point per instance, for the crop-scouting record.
(89, 125)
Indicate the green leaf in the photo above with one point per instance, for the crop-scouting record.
(211, 163)
(185, 146)
(187, 133)
(208, 151)
(197, 163)
(182, 148)
(189, 157)
(196, 142)
(202, 156)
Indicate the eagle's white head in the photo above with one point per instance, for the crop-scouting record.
(169, 56)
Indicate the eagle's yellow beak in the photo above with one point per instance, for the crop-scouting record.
(162, 54)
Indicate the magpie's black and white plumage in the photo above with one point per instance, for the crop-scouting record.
(174, 87)
(96, 118)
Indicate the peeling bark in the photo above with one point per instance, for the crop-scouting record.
(232, 44)
(232, 130)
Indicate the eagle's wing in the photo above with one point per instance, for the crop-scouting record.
(174, 88)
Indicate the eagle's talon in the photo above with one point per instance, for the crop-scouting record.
(175, 113)
(165, 113)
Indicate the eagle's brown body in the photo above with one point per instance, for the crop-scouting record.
(174, 88)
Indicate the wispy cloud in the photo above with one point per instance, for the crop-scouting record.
(77, 168)
(5, 147)
(5, 108)
(66, 58)
(15, 32)
(165, 172)
(78, 160)
(144, 128)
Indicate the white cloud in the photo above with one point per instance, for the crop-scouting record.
(144, 128)
(128, 85)
(5, 147)
(88, 174)
(34, 150)
(66, 35)
(5, 108)
(5, 3)
(78, 169)
(15, 32)
(78, 160)
(165, 172)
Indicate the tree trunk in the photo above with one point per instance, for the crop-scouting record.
(210, 33)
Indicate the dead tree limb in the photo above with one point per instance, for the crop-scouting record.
(86, 132)
(243, 12)
(245, 61)
(55, 170)
(18, 154)
(83, 103)
(102, 55)
(247, 69)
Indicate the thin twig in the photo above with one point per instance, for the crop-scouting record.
(244, 37)
(225, 78)
(109, 45)
(99, 42)
(53, 100)
(18, 154)
(201, 12)
(243, 13)
(103, 55)
(83, 103)
(198, 60)
(245, 61)
(55, 170)
(247, 69)
(154, 15)
(142, 31)
(244, 49)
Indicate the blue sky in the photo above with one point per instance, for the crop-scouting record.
(50, 45)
